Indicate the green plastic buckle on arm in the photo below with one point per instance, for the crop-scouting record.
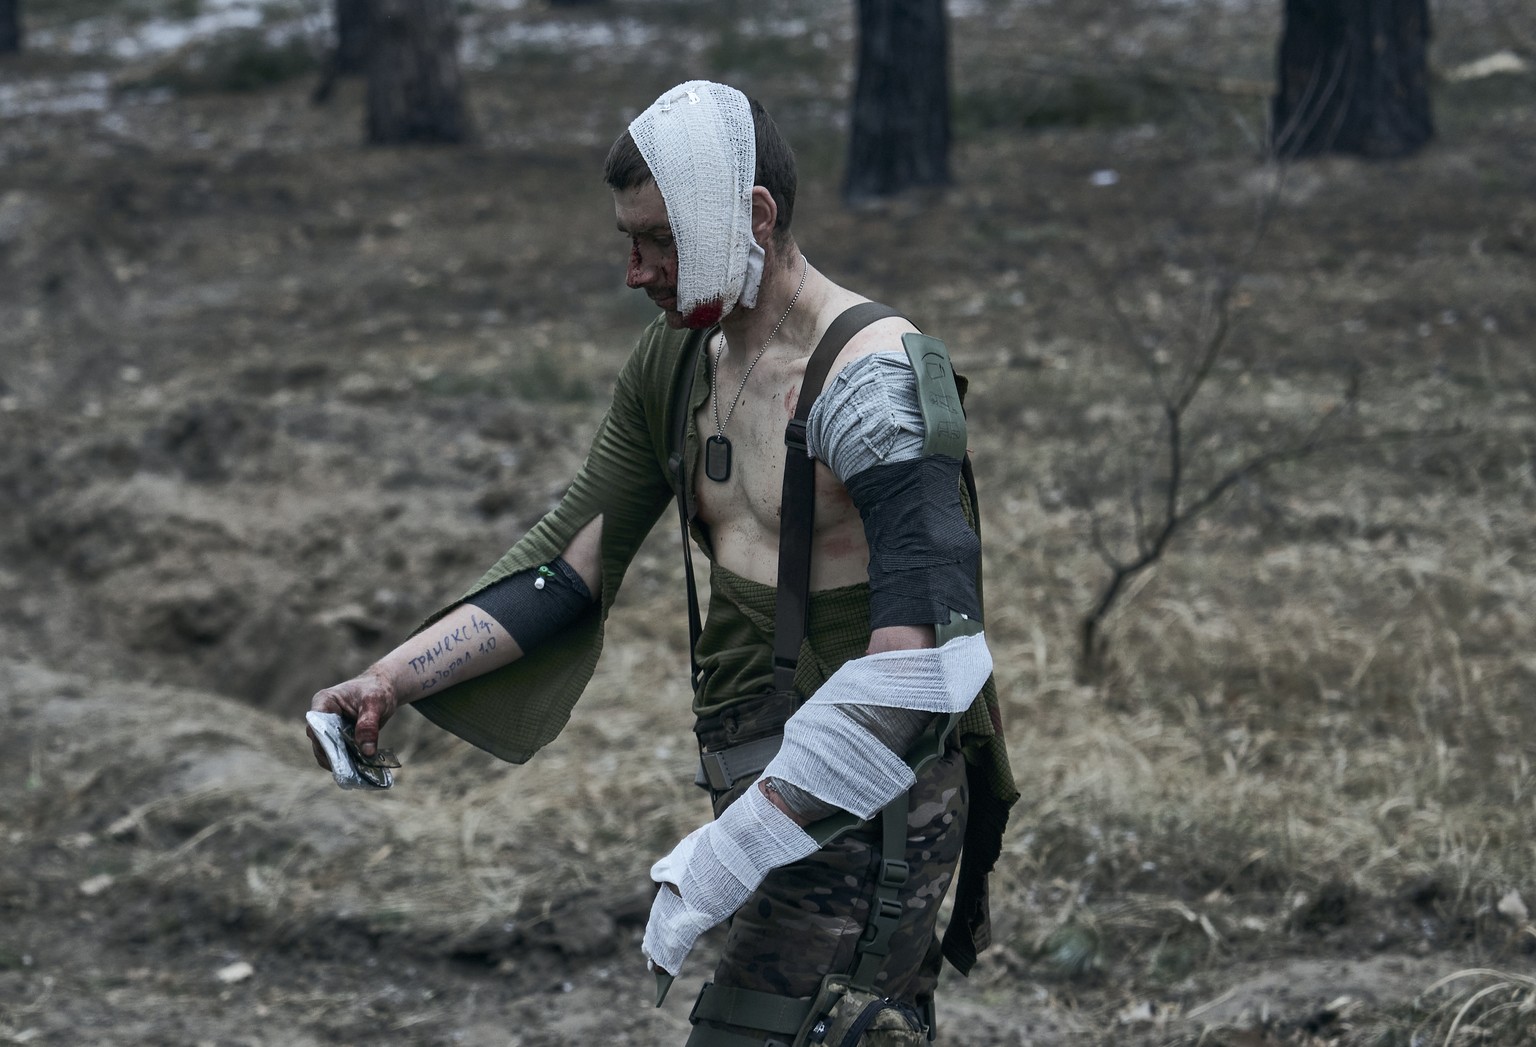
(938, 395)
(958, 625)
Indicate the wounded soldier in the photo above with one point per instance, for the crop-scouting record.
(847, 721)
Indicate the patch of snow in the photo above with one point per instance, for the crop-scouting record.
(119, 37)
(81, 93)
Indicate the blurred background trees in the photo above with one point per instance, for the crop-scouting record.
(415, 89)
(348, 55)
(351, 54)
(1353, 78)
(10, 26)
(899, 133)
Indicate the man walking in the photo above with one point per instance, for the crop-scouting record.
(848, 726)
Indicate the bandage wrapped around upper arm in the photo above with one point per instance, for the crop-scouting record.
(924, 557)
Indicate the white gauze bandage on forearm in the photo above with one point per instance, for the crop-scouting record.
(715, 868)
(699, 141)
(829, 755)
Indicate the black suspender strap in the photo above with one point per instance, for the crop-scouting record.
(678, 461)
(798, 504)
(797, 519)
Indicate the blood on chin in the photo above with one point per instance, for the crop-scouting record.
(701, 316)
(706, 314)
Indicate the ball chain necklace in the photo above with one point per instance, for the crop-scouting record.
(717, 449)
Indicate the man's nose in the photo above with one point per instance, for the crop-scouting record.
(639, 274)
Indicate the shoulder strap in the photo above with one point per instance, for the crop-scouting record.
(799, 494)
(798, 505)
(677, 462)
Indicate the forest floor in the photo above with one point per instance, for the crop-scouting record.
(268, 396)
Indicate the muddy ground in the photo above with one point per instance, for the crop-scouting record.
(267, 396)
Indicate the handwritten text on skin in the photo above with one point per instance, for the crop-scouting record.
(437, 663)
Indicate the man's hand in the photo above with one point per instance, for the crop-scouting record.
(368, 700)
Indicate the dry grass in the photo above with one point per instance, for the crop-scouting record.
(1313, 740)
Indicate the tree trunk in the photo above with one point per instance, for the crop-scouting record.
(899, 138)
(350, 55)
(415, 93)
(352, 37)
(1354, 78)
(10, 26)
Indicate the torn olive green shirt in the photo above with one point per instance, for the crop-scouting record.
(514, 711)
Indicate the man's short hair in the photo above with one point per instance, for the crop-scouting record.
(625, 168)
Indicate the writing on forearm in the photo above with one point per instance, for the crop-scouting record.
(438, 661)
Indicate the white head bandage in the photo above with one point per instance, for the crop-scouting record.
(699, 142)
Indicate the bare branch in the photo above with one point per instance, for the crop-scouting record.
(1100, 546)
(1134, 341)
(1315, 441)
(1138, 518)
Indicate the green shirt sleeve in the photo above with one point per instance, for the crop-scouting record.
(514, 711)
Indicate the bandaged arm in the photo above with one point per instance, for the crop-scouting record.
(868, 419)
(844, 749)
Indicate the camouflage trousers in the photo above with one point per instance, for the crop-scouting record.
(805, 920)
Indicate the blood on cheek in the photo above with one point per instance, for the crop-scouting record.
(633, 276)
(663, 267)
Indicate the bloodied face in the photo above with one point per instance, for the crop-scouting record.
(642, 217)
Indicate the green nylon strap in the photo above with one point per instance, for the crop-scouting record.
(944, 432)
(928, 747)
(751, 1009)
(885, 907)
(709, 1036)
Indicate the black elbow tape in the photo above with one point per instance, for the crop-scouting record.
(535, 604)
(923, 556)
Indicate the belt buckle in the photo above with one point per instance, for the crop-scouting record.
(716, 771)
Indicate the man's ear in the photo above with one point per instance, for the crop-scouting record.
(765, 214)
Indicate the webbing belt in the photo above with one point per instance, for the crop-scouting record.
(755, 1010)
(723, 768)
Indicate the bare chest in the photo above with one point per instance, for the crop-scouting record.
(742, 511)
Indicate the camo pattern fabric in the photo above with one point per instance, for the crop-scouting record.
(868, 1021)
(805, 920)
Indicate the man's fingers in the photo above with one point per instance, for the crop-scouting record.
(363, 703)
(327, 701)
(366, 730)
